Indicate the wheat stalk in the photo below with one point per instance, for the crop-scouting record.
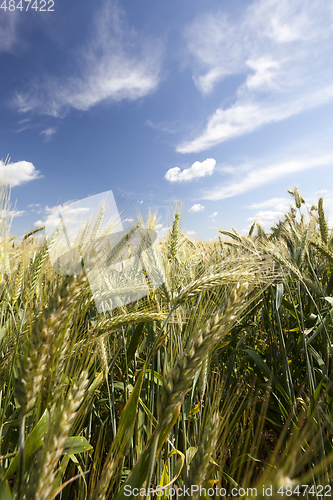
(200, 462)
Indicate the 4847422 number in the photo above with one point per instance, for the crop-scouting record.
(37, 5)
(305, 490)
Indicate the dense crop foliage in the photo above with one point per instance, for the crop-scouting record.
(221, 377)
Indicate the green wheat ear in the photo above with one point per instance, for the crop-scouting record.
(252, 229)
(298, 198)
(322, 221)
(327, 253)
(174, 237)
(97, 226)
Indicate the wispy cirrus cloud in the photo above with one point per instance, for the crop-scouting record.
(169, 128)
(280, 204)
(197, 170)
(14, 174)
(284, 52)
(48, 132)
(249, 178)
(114, 65)
(8, 30)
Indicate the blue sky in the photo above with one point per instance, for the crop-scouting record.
(220, 106)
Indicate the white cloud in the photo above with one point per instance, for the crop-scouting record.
(257, 177)
(39, 223)
(245, 117)
(36, 208)
(48, 132)
(266, 215)
(113, 66)
(266, 219)
(64, 207)
(170, 128)
(264, 72)
(213, 215)
(283, 50)
(12, 213)
(49, 214)
(162, 232)
(198, 169)
(52, 213)
(207, 82)
(206, 38)
(191, 233)
(196, 208)
(17, 173)
(279, 204)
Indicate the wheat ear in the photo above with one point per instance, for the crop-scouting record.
(56, 443)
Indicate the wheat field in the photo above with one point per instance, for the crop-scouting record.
(220, 378)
